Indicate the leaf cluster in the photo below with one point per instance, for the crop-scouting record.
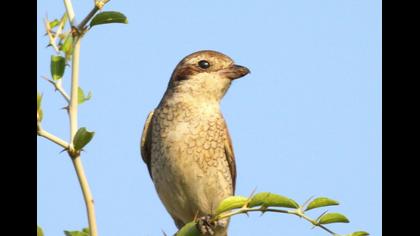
(270, 202)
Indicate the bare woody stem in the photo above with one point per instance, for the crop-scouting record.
(98, 6)
(59, 87)
(70, 11)
(52, 137)
(75, 156)
(88, 17)
(87, 194)
(73, 107)
(73, 114)
(61, 90)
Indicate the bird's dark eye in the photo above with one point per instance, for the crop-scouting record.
(204, 64)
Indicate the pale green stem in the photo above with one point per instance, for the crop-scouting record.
(58, 86)
(99, 4)
(87, 195)
(70, 11)
(88, 17)
(246, 210)
(52, 137)
(59, 29)
(73, 108)
(293, 212)
(78, 166)
(312, 221)
(51, 38)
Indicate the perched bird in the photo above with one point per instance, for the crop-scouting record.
(185, 142)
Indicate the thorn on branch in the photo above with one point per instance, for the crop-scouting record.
(65, 149)
(66, 108)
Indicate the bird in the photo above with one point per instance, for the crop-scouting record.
(185, 142)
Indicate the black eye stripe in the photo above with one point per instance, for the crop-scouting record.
(203, 64)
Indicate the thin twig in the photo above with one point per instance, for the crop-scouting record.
(73, 111)
(87, 194)
(297, 212)
(58, 87)
(74, 89)
(70, 11)
(77, 163)
(313, 222)
(51, 137)
(99, 4)
(326, 229)
(246, 210)
(59, 29)
(51, 38)
(82, 24)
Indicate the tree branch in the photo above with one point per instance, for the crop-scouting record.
(87, 18)
(58, 87)
(297, 212)
(51, 38)
(73, 106)
(87, 195)
(75, 155)
(99, 4)
(70, 11)
(41, 132)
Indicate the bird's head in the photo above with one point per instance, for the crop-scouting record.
(205, 75)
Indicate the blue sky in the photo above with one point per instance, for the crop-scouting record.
(306, 121)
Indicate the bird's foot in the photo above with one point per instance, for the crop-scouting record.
(205, 226)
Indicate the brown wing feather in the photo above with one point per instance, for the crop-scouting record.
(230, 157)
(145, 142)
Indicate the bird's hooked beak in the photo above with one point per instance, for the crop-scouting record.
(235, 71)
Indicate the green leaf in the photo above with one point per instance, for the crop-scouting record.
(54, 23)
(190, 229)
(58, 64)
(359, 233)
(266, 199)
(321, 202)
(230, 203)
(84, 232)
(39, 231)
(63, 19)
(67, 46)
(38, 106)
(333, 218)
(40, 115)
(81, 96)
(107, 17)
(38, 100)
(75, 233)
(82, 137)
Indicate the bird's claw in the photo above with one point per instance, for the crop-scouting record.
(205, 226)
